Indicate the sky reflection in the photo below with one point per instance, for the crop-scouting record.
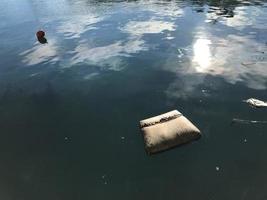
(106, 55)
(229, 56)
(202, 55)
(235, 56)
(83, 30)
(74, 27)
(46, 53)
(139, 28)
(162, 9)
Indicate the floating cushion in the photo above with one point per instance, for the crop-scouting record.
(167, 130)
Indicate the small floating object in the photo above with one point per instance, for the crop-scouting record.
(217, 168)
(246, 121)
(40, 34)
(248, 63)
(41, 37)
(256, 103)
(168, 130)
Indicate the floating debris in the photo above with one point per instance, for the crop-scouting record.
(217, 168)
(104, 179)
(41, 37)
(248, 63)
(168, 130)
(255, 103)
(259, 51)
(34, 74)
(212, 20)
(245, 121)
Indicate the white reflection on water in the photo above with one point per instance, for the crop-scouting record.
(41, 53)
(111, 55)
(138, 28)
(77, 25)
(202, 55)
(106, 55)
(235, 51)
(90, 76)
(234, 58)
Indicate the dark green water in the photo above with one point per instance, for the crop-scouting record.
(69, 109)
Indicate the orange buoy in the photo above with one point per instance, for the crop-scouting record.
(40, 34)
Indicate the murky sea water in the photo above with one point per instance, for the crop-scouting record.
(69, 109)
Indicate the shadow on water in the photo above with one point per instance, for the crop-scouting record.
(42, 40)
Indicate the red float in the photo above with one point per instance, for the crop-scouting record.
(40, 34)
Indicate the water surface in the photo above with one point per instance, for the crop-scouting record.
(69, 109)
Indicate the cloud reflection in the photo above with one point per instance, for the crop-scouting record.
(139, 28)
(74, 27)
(237, 50)
(46, 53)
(162, 9)
(234, 58)
(108, 55)
(156, 18)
